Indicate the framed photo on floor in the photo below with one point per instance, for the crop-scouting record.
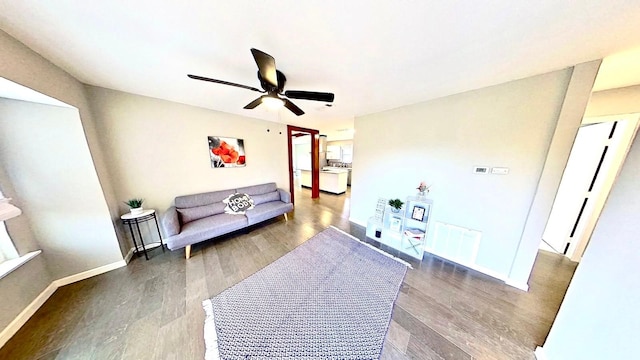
(418, 213)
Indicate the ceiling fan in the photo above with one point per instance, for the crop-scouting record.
(272, 82)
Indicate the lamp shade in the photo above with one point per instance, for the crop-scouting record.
(8, 211)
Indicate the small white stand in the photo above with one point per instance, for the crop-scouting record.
(405, 230)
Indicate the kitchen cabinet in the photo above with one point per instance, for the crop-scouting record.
(334, 152)
(305, 178)
(333, 181)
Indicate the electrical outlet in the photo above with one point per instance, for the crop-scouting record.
(500, 170)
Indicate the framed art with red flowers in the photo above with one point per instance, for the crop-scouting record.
(226, 152)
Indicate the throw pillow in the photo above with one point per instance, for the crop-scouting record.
(198, 212)
(238, 204)
(268, 197)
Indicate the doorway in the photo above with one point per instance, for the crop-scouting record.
(598, 152)
(295, 131)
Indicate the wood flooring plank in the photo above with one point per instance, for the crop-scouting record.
(426, 335)
(398, 336)
(175, 340)
(142, 337)
(390, 352)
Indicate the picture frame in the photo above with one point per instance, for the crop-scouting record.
(418, 213)
(395, 224)
(226, 152)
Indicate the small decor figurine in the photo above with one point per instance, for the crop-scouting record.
(396, 205)
(135, 205)
(423, 188)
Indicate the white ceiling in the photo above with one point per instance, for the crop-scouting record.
(374, 55)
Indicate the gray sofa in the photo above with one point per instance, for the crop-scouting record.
(200, 217)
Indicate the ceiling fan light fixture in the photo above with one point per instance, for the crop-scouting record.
(272, 102)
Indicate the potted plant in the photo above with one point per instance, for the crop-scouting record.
(396, 205)
(135, 205)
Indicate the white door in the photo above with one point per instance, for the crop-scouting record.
(588, 153)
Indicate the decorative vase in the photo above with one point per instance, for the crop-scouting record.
(394, 210)
(137, 211)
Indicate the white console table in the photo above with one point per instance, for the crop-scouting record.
(392, 231)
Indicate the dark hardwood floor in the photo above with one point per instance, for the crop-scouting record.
(152, 309)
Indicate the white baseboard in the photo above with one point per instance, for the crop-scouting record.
(517, 284)
(129, 255)
(26, 314)
(89, 273)
(31, 309)
(540, 354)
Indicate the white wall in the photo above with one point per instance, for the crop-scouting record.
(158, 149)
(440, 141)
(45, 155)
(598, 318)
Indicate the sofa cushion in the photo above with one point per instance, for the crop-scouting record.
(206, 228)
(188, 215)
(264, 198)
(188, 201)
(258, 189)
(266, 211)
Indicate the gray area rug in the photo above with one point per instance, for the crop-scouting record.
(329, 298)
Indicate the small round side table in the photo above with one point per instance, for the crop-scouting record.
(129, 218)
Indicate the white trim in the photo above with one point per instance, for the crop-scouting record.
(518, 285)
(129, 255)
(540, 354)
(476, 267)
(26, 314)
(9, 266)
(374, 248)
(89, 273)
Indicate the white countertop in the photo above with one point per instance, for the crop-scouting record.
(337, 167)
(332, 171)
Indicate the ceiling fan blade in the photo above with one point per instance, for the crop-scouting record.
(266, 65)
(254, 103)
(291, 106)
(309, 95)
(196, 77)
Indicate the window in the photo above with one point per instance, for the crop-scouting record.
(7, 249)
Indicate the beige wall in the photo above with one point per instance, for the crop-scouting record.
(158, 149)
(440, 141)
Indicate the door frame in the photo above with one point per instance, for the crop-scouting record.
(315, 160)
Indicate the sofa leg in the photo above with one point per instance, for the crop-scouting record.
(285, 217)
(187, 251)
